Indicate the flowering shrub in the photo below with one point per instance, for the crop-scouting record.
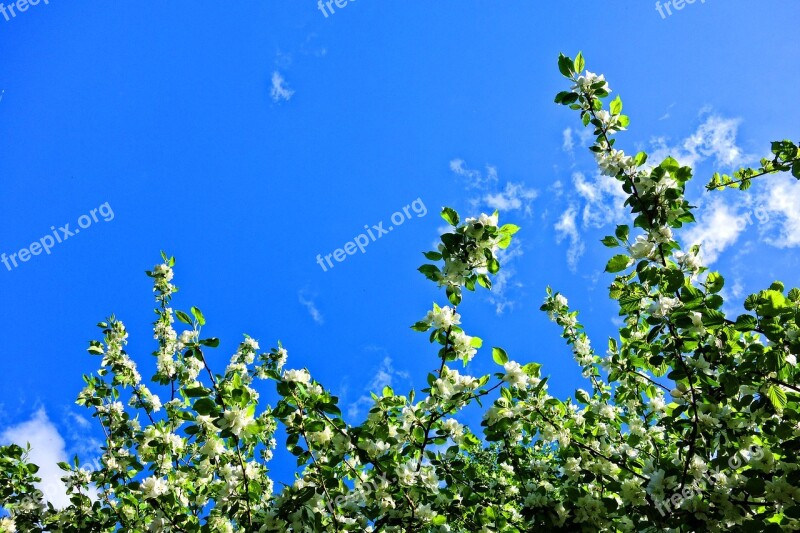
(691, 420)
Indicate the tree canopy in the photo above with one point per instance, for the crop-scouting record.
(690, 420)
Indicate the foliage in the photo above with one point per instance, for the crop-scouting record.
(786, 159)
(691, 421)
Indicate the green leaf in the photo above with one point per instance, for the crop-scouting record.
(616, 106)
(432, 256)
(670, 164)
(450, 216)
(453, 295)
(331, 409)
(198, 315)
(566, 98)
(580, 63)
(777, 397)
(746, 323)
(183, 317)
(565, 66)
(204, 406)
(755, 486)
(715, 282)
(713, 318)
(771, 303)
(421, 326)
(581, 396)
(213, 342)
(618, 263)
(610, 241)
(197, 392)
(500, 356)
(314, 426)
(622, 232)
(509, 229)
(95, 349)
(532, 369)
(430, 271)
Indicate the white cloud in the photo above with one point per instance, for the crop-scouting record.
(475, 178)
(504, 280)
(279, 90)
(604, 198)
(384, 377)
(510, 198)
(714, 138)
(47, 450)
(568, 144)
(309, 304)
(780, 210)
(603, 203)
(566, 227)
(774, 209)
(584, 137)
(718, 227)
(515, 196)
(79, 438)
(667, 114)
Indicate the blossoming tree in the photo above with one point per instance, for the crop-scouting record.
(690, 420)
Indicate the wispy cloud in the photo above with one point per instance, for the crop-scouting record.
(569, 135)
(567, 228)
(504, 280)
(511, 196)
(279, 90)
(598, 201)
(715, 139)
(307, 300)
(604, 200)
(718, 227)
(773, 209)
(79, 437)
(780, 202)
(385, 376)
(667, 114)
(514, 196)
(475, 179)
(568, 144)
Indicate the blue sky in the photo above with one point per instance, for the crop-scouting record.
(247, 137)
